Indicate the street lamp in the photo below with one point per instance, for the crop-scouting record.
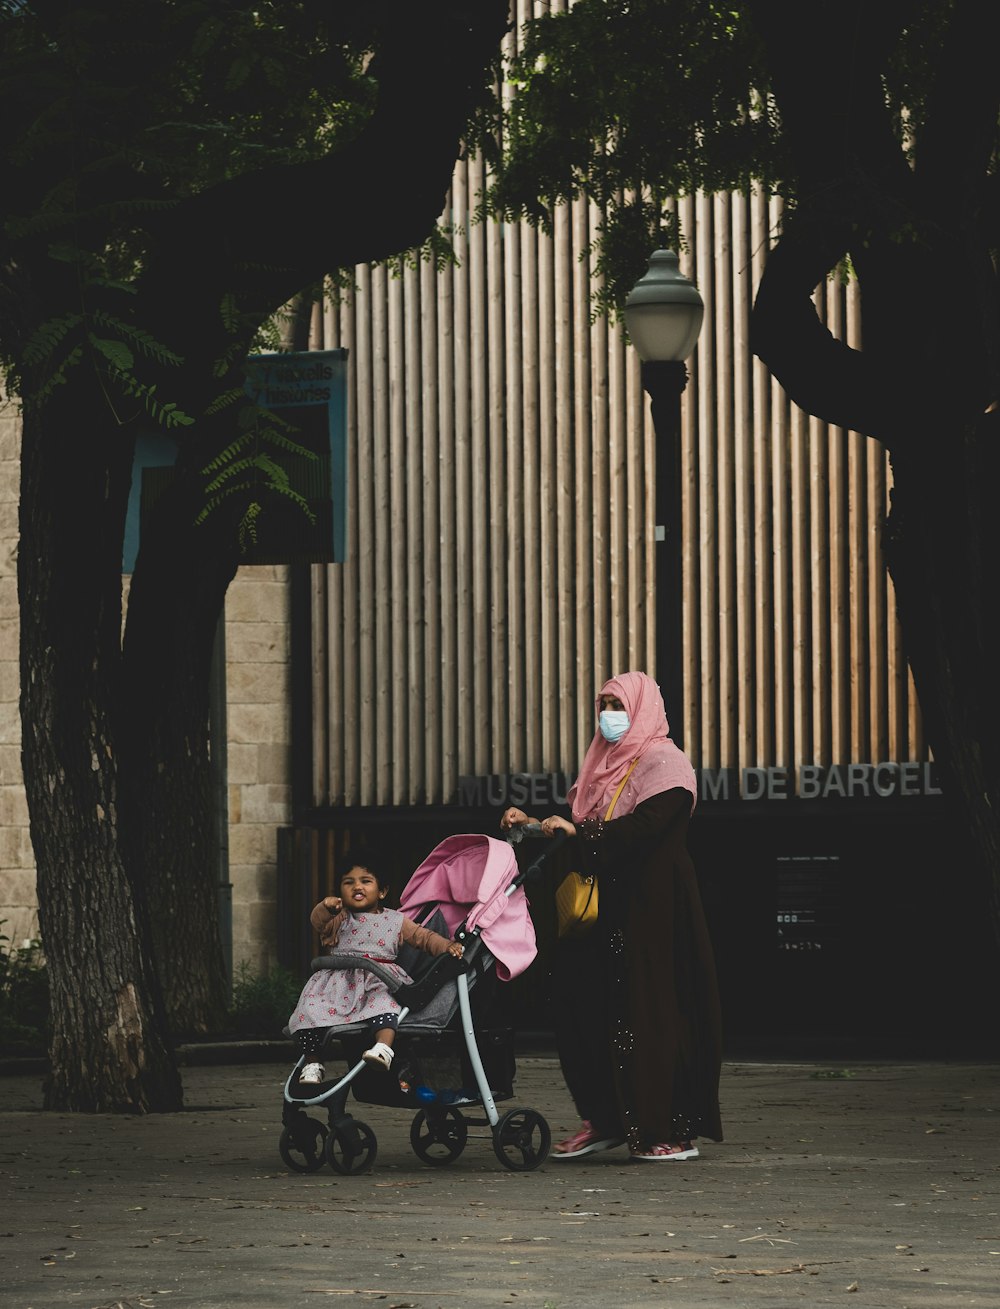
(663, 316)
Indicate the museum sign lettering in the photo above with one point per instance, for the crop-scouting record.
(804, 782)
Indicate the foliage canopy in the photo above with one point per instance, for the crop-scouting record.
(117, 112)
(635, 103)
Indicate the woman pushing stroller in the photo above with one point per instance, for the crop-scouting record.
(636, 1002)
(358, 923)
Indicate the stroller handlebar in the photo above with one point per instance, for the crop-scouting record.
(537, 866)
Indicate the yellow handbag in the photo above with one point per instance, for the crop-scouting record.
(576, 894)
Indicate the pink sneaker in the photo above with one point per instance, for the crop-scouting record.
(654, 1153)
(586, 1141)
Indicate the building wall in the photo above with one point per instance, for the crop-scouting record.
(257, 677)
(17, 866)
(501, 527)
(257, 649)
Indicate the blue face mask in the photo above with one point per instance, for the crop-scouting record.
(613, 724)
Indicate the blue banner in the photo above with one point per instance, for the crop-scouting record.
(308, 391)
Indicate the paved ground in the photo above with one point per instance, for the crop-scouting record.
(876, 1185)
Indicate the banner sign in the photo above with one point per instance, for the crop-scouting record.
(308, 390)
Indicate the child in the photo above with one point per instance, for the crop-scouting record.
(357, 923)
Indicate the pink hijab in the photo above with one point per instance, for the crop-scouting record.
(661, 767)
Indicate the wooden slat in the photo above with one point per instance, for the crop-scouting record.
(381, 506)
(514, 491)
(745, 673)
(498, 727)
(690, 719)
(446, 525)
(722, 343)
(480, 634)
(414, 701)
(819, 618)
(880, 639)
(802, 653)
(598, 496)
(839, 546)
(319, 665)
(564, 499)
(397, 612)
(585, 679)
(547, 490)
(462, 598)
(616, 645)
(433, 681)
(365, 787)
(708, 748)
(762, 441)
(529, 530)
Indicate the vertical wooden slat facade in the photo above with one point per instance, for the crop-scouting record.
(500, 529)
(501, 526)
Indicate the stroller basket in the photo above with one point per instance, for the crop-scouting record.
(468, 887)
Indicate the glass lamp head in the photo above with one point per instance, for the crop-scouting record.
(664, 310)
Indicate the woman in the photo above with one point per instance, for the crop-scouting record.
(637, 1008)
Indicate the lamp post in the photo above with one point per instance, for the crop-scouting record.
(663, 315)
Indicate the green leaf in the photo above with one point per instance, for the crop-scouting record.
(225, 399)
(142, 340)
(229, 310)
(117, 352)
(247, 530)
(44, 340)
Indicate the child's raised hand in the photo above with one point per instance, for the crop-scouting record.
(334, 903)
(513, 818)
(456, 948)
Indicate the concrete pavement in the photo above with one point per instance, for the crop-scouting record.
(872, 1185)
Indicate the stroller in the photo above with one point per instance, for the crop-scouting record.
(469, 887)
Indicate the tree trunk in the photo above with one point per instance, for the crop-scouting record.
(942, 540)
(109, 1045)
(915, 229)
(176, 598)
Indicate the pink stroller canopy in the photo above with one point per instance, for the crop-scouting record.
(467, 878)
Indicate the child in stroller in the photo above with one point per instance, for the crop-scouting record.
(358, 924)
(467, 893)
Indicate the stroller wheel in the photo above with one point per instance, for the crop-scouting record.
(302, 1144)
(351, 1148)
(521, 1140)
(438, 1137)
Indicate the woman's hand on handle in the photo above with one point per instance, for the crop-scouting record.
(556, 824)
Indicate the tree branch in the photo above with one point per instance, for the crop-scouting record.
(830, 93)
(281, 228)
(856, 196)
(958, 140)
(820, 374)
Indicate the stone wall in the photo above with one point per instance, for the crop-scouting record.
(257, 650)
(257, 676)
(17, 863)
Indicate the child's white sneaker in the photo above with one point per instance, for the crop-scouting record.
(312, 1074)
(380, 1054)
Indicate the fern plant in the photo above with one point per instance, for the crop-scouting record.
(247, 467)
(24, 996)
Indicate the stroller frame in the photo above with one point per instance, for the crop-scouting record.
(521, 1137)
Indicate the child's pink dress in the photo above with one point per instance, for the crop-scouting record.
(335, 997)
